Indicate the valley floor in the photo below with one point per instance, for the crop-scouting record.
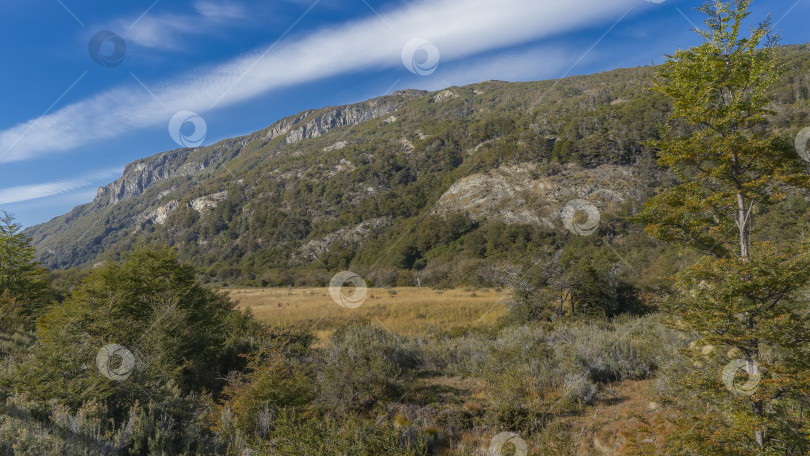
(405, 310)
(624, 418)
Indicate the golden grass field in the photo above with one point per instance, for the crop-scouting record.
(406, 310)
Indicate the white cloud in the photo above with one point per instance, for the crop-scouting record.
(221, 10)
(453, 26)
(30, 192)
(166, 31)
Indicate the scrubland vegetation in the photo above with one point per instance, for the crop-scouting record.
(363, 390)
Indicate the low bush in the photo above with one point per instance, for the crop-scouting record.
(269, 383)
(293, 434)
(361, 365)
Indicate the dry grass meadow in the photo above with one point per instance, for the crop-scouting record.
(620, 419)
(406, 310)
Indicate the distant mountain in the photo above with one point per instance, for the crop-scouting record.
(404, 182)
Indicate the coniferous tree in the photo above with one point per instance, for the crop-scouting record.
(22, 288)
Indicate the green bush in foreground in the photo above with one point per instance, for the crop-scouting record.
(178, 334)
(364, 364)
(349, 435)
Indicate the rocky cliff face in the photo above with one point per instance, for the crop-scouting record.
(528, 194)
(94, 223)
(140, 175)
(323, 121)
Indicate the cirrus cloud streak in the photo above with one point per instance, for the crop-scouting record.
(458, 28)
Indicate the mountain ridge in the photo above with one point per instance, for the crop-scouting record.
(350, 180)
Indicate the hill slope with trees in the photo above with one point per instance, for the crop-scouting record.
(412, 184)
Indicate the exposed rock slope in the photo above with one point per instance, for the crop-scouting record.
(520, 194)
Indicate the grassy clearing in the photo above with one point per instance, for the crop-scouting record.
(405, 310)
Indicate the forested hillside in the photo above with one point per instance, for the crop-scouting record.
(441, 186)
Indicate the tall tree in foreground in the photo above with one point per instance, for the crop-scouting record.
(22, 288)
(742, 297)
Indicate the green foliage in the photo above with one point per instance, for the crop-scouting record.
(763, 320)
(362, 365)
(728, 160)
(740, 295)
(350, 435)
(269, 383)
(584, 276)
(180, 334)
(23, 291)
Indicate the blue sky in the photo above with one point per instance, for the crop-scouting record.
(72, 117)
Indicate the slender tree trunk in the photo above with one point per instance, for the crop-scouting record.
(742, 225)
(756, 405)
(759, 434)
(753, 367)
(570, 299)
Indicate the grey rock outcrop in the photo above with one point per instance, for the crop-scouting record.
(354, 235)
(208, 201)
(327, 119)
(525, 194)
(140, 175)
(160, 214)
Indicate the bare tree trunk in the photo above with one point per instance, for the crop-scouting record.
(742, 225)
(757, 405)
(759, 434)
(571, 300)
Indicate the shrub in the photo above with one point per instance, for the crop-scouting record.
(579, 388)
(270, 383)
(361, 365)
(604, 353)
(173, 427)
(350, 435)
(179, 334)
